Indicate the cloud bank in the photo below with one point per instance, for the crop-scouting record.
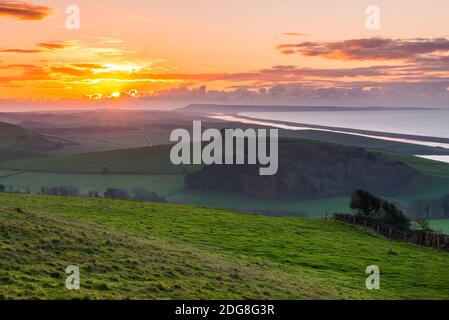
(369, 49)
(23, 11)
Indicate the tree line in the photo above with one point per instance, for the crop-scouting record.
(367, 205)
(434, 208)
(139, 194)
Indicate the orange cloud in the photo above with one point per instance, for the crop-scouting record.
(20, 50)
(23, 10)
(54, 45)
(296, 34)
(369, 49)
(71, 71)
(88, 66)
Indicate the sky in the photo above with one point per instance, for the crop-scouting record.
(300, 52)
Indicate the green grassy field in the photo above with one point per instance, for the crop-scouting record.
(151, 169)
(441, 225)
(364, 142)
(426, 166)
(143, 250)
(169, 186)
(147, 160)
(10, 133)
(438, 177)
(4, 173)
(215, 199)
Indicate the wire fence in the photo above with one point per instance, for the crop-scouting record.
(426, 238)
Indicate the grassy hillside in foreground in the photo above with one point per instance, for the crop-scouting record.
(144, 250)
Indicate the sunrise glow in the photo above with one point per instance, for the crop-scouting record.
(278, 54)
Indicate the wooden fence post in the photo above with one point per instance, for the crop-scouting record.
(389, 236)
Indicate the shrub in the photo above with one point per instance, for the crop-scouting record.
(113, 193)
(68, 191)
(145, 195)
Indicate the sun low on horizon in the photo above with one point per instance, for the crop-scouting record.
(223, 50)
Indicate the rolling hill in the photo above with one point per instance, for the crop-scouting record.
(17, 142)
(135, 250)
(151, 169)
(308, 170)
(146, 160)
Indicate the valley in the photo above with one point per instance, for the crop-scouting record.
(150, 168)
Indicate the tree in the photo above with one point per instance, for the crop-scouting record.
(93, 194)
(445, 205)
(68, 191)
(369, 205)
(113, 193)
(394, 216)
(366, 204)
(144, 195)
(423, 225)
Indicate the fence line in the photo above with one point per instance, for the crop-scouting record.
(426, 238)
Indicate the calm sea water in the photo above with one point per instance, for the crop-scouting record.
(433, 123)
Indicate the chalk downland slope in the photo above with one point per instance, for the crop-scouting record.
(20, 142)
(142, 250)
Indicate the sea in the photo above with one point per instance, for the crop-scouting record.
(418, 122)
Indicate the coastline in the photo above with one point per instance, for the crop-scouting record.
(437, 142)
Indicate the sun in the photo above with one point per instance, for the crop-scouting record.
(116, 94)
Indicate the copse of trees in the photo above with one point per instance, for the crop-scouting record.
(139, 194)
(145, 195)
(366, 204)
(423, 225)
(93, 194)
(310, 171)
(136, 194)
(433, 208)
(114, 193)
(68, 191)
